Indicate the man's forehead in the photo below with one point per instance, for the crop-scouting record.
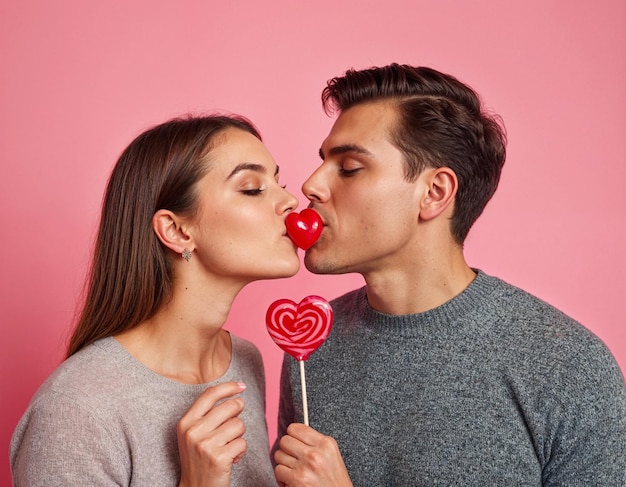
(360, 126)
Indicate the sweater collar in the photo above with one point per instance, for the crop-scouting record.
(444, 315)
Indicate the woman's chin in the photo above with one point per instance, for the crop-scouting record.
(281, 270)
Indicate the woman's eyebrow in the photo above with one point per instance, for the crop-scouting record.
(247, 166)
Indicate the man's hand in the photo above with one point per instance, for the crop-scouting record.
(307, 458)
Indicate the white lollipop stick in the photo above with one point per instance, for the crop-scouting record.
(305, 406)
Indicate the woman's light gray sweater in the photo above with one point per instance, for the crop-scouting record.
(493, 388)
(104, 419)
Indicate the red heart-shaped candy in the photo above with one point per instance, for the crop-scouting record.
(299, 329)
(304, 228)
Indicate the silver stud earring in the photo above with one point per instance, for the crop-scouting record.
(186, 254)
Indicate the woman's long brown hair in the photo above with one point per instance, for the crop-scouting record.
(130, 276)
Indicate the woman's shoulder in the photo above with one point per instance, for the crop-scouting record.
(77, 400)
(88, 377)
(72, 407)
(245, 350)
(247, 360)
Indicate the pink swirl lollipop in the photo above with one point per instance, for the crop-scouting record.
(300, 329)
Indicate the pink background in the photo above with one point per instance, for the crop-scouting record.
(80, 79)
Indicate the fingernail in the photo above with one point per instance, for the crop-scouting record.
(241, 385)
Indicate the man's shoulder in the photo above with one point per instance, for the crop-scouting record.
(528, 319)
(520, 304)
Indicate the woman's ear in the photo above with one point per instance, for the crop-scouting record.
(442, 185)
(170, 230)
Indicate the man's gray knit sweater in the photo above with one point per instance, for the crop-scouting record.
(493, 388)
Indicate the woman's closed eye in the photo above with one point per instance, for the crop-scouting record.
(253, 191)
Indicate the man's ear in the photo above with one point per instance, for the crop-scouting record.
(171, 232)
(441, 187)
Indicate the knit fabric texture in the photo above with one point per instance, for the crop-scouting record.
(493, 388)
(104, 419)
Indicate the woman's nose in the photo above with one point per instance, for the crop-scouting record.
(289, 203)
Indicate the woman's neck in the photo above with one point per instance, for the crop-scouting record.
(184, 340)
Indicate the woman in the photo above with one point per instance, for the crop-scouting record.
(154, 391)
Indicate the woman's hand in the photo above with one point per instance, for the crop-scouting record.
(210, 437)
(307, 458)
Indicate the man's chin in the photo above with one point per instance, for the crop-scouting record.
(316, 264)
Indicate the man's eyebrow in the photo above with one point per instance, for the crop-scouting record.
(342, 149)
(248, 166)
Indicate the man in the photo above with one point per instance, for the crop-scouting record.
(435, 373)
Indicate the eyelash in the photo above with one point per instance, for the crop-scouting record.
(348, 172)
(253, 192)
(257, 191)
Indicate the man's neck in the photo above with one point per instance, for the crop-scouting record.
(411, 291)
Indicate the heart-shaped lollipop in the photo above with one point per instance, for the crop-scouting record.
(299, 329)
(304, 228)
